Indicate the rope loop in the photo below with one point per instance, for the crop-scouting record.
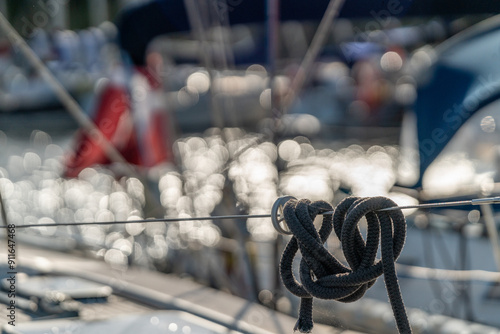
(324, 276)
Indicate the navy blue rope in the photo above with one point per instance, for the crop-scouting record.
(322, 275)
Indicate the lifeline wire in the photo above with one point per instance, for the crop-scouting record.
(319, 38)
(477, 201)
(154, 220)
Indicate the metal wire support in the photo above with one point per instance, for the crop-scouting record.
(276, 214)
(319, 38)
(277, 210)
(476, 201)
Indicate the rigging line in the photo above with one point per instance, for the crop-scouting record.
(304, 70)
(477, 201)
(273, 40)
(199, 27)
(138, 221)
(66, 99)
(219, 15)
(197, 23)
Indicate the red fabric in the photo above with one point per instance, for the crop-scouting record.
(157, 138)
(113, 118)
(157, 142)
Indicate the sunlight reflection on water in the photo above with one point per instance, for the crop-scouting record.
(220, 172)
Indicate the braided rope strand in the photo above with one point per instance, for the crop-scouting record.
(322, 275)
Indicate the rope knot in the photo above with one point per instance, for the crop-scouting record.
(322, 275)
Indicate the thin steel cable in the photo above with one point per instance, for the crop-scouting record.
(144, 221)
(478, 201)
(319, 38)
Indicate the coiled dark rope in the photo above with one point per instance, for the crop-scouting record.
(322, 275)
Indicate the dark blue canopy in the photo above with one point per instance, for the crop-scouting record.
(140, 24)
(464, 78)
